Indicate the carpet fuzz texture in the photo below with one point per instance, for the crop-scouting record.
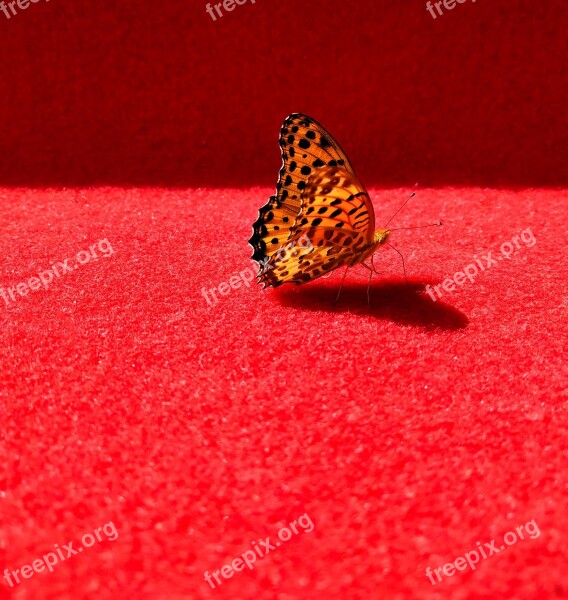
(196, 423)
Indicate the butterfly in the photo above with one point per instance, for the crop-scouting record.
(318, 200)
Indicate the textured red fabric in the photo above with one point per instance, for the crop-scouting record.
(407, 432)
(144, 92)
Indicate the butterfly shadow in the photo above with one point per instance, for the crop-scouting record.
(393, 300)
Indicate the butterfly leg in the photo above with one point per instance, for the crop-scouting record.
(402, 257)
(373, 264)
(369, 284)
(341, 286)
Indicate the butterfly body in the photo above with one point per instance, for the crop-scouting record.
(318, 199)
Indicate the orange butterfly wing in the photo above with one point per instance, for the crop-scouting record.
(319, 198)
(306, 146)
(336, 209)
(337, 219)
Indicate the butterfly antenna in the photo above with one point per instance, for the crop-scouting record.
(438, 224)
(403, 205)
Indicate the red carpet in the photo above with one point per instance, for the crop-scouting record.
(152, 440)
(406, 432)
(146, 93)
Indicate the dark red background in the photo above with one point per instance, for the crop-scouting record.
(157, 93)
(409, 430)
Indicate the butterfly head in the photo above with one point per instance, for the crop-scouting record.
(381, 236)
